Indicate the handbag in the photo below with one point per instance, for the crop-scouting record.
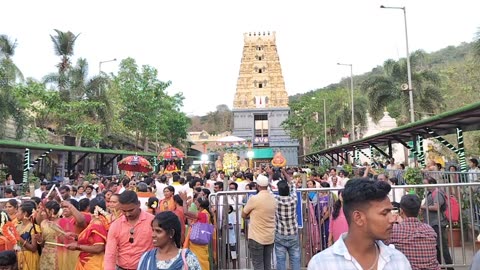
(201, 233)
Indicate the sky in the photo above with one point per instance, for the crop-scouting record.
(197, 45)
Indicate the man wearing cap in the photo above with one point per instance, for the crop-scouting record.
(260, 209)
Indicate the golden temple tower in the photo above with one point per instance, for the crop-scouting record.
(260, 82)
(260, 105)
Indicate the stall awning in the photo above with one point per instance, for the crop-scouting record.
(262, 153)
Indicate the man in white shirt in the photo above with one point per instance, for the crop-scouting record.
(125, 183)
(39, 191)
(160, 185)
(368, 213)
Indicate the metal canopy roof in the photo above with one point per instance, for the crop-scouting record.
(467, 118)
(65, 148)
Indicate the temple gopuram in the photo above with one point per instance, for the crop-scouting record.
(261, 101)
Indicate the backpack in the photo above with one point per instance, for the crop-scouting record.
(450, 208)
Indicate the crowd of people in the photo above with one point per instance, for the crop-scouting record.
(146, 222)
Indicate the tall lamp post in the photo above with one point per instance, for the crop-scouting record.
(351, 88)
(106, 61)
(409, 71)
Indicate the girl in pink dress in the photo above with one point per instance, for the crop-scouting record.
(338, 222)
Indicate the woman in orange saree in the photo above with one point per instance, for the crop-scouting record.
(167, 204)
(92, 240)
(6, 241)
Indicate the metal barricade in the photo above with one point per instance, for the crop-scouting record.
(18, 188)
(461, 235)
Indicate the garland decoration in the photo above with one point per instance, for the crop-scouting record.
(10, 232)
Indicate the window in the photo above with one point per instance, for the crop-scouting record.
(259, 70)
(261, 125)
(260, 85)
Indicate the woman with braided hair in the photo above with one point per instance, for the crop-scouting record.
(91, 241)
(28, 256)
(48, 238)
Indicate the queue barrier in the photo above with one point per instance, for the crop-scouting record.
(461, 236)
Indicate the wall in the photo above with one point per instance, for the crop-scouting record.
(279, 140)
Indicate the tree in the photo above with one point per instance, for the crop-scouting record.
(147, 109)
(477, 44)
(63, 44)
(384, 91)
(306, 118)
(10, 106)
(7, 51)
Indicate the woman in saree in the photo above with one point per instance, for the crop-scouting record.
(203, 216)
(325, 201)
(6, 240)
(114, 208)
(167, 203)
(168, 254)
(72, 223)
(28, 256)
(91, 241)
(50, 230)
(11, 207)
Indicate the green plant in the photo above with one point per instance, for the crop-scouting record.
(414, 176)
(32, 179)
(348, 168)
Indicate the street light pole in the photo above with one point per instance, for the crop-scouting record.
(409, 71)
(351, 88)
(101, 62)
(325, 121)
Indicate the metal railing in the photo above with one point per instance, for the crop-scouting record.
(466, 230)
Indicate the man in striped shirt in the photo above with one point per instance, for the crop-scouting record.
(286, 228)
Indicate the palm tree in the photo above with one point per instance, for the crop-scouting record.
(7, 51)
(63, 44)
(92, 89)
(10, 105)
(384, 91)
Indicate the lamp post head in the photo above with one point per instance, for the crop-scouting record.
(402, 8)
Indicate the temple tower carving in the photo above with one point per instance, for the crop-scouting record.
(260, 82)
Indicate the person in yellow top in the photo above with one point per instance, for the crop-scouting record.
(243, 164)
(219, 164)
(28, 257)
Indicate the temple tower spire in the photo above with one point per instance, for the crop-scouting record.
(260, 82)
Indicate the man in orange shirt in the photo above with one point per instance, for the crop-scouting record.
(129, 236)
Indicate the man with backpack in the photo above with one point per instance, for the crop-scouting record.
(434, 214)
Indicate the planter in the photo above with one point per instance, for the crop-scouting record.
(455, 239)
